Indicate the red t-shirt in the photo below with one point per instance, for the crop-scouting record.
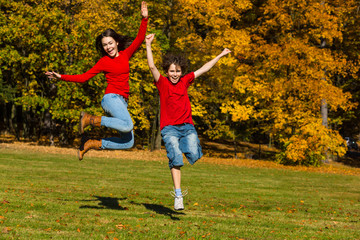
(116, 69)
(175, 105)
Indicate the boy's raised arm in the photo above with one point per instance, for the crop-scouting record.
(207, 66)
(155, 72)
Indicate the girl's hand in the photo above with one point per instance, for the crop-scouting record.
(144, 10)
(53, 75)
(149, 38)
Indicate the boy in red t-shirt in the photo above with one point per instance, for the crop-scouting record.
(176, 124)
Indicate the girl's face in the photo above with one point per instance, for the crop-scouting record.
(174, 73)
(110, 46)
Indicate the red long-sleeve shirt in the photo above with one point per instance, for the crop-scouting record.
(116, 69)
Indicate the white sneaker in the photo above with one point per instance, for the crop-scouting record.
(179, 200)
(178, 203)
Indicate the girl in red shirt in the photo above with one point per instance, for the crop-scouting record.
(115, 65)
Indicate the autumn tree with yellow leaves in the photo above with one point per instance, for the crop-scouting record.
(287, 74)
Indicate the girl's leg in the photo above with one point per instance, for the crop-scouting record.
(116, 106)
(125, 141)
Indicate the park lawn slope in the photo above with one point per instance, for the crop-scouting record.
(49, 195)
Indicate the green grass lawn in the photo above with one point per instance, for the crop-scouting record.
(53, 196)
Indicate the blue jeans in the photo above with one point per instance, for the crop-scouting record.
(181, 139)
(116, 106)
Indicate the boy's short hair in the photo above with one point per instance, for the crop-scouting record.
(177, 59)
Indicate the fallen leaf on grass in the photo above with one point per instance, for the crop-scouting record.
(204, 236)
(120, 226)
(78, 230)
(291, 210)
(6, 230)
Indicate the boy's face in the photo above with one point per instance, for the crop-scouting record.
(174, 73)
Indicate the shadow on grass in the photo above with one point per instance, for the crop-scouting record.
(105, 202)
(113, 203)
(159, 209)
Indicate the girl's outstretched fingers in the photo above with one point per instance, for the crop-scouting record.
(53, 75)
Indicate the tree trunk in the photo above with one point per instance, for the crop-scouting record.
(155, 140)
(324, 105)
(158, 135)
(324, 112)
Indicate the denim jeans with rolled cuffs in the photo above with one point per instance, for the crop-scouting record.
(116, 106)
(181, 139)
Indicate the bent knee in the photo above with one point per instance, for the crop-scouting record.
(131, 143)
(129, 127)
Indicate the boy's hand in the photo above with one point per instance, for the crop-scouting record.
(224, 52)
(144, 9)
(149, 38)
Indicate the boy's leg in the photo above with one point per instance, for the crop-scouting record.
(171, 137)
(178, 198)
(176, 177)
(190, 144)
